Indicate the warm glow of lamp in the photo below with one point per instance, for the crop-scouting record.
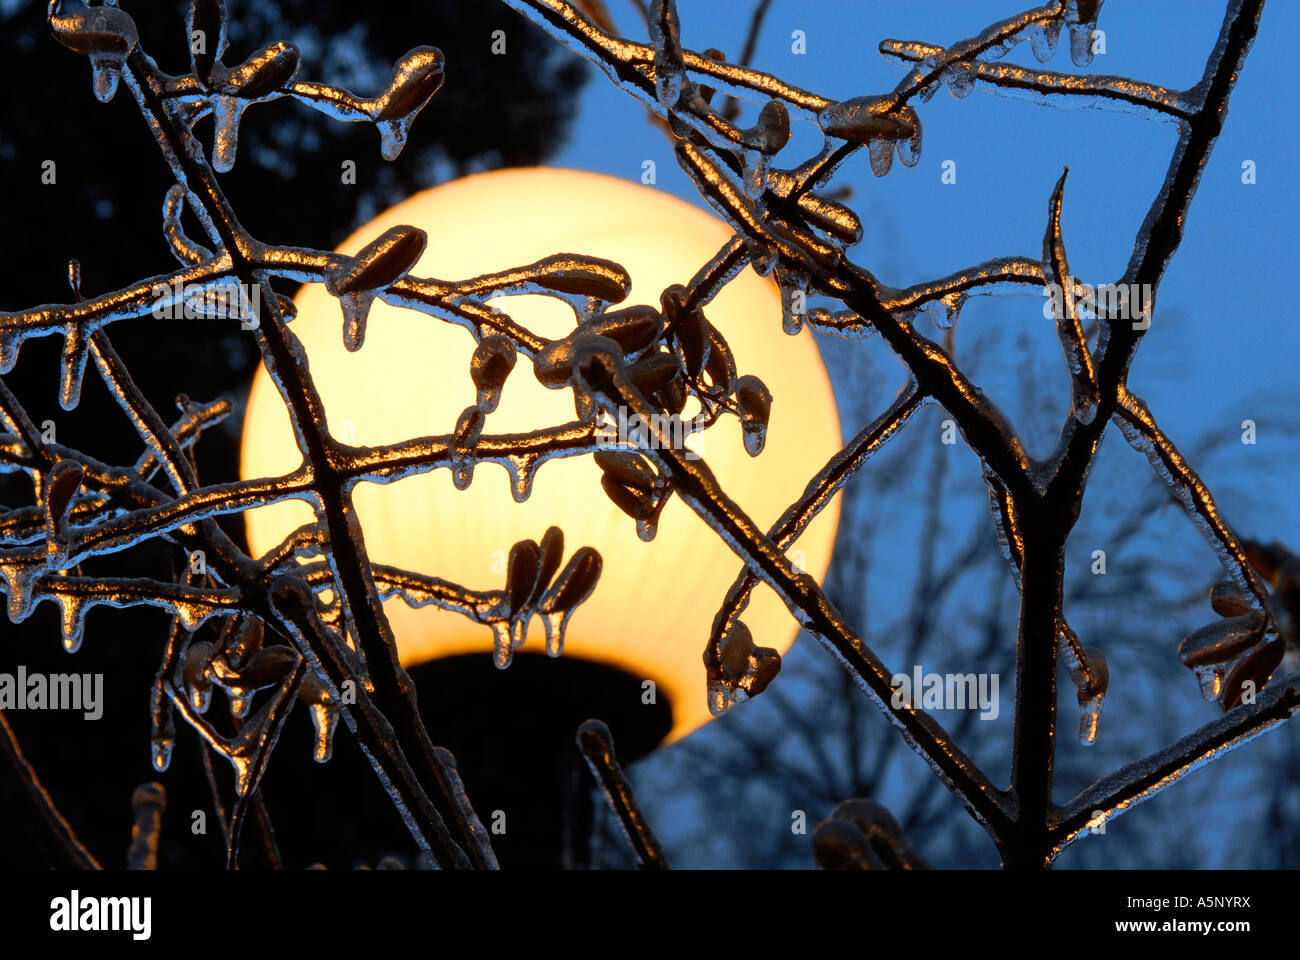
(651, 612)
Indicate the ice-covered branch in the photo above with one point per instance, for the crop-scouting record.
(1055, 89)
(1124, 789)
(603, 377)
(597, 746)
(1139, 427)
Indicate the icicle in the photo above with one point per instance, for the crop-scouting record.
(881, 153)
(909, 148)
(20, 583)
(325, 720)
(1210, 678)
(1092, 687)
(72, 612)
(521, 469)
(160, 755)
(960, 78)
(1042, 39)
(502, 648)
(226, 114)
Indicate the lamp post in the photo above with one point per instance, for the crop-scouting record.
(632, 653)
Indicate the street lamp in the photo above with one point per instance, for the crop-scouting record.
(632, 652)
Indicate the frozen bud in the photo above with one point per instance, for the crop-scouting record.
(629, 469)
(1222, 640)
(1228, 601)
(652, 373)
(840, 845)
(583, 276)
(831, 216)
(246, 639)
(491, 364)
(1266, 558)
(1252, 672)
(721, 366)
(61, 483)
(673, 396)
(553, 364)
(415, 78)
(755, 402)
(263, 73)
(863, 119)
(633, 328)
(631, 501)
(265, 668)
(521, 573)
(575, 583)
(1097, 679)
(694, 337)
(194, 673)
(771, 132)
(469, 427)
(551, 552)
(104, 34)
(745, 666)
(380, 262)
(735, 649)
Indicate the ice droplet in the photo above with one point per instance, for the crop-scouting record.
(554, 624)
(909, 148)
(73, 622)
(462, 474)
(1081, 43)
(648, 526)
(1042, 40)
(1089, 719)
(325, 719)
(1210, 677)
(20, 582)
(960, 79)
(502, 651)
(392, 136)
(356, 308)
(161, 752)
(521, 476)
(881, 153)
